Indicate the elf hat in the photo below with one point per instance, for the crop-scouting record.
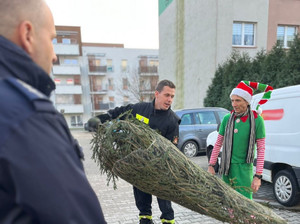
(245, 90)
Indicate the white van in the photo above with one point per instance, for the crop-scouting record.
(282, 156)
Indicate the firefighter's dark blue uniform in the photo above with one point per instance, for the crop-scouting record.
(167, 123)
(41, 174)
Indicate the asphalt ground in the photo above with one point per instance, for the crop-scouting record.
(119, 207)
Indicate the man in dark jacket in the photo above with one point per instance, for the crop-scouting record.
(41, 174)
(159, 116)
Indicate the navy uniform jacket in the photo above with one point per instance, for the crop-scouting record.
(41, 174)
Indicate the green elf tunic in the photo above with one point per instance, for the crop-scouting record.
(240, 174)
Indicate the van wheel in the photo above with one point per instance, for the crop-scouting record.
(285, 188)
(190, 149)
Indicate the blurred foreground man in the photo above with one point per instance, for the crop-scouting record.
(41, 174)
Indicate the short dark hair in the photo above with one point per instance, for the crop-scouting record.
(164, 83)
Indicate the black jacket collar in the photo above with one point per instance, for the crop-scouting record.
(15, 62)
(159, 111)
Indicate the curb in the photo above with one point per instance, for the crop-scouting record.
(274, 204)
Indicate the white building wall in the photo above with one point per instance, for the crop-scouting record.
(204, 28)
(167, 43)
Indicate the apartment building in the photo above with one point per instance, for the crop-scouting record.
(92, 78)
(116, 76)
(66, 74)
(197, 35)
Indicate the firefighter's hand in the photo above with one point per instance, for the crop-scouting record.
(93, 123)
(255, 184)
(211, 170)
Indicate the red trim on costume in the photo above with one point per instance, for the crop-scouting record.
(244, 118)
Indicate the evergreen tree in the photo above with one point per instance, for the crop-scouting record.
(278, 68)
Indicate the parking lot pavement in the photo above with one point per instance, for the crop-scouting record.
(119, 208)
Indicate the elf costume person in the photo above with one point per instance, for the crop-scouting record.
(240, 130)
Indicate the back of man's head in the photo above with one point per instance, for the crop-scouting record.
(29, 24)
(13, 12)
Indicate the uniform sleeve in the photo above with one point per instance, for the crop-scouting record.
(173, 131)
(114, 113)
(46, 173)
(120, 110)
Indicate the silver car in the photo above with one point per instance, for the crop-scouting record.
(195, 126)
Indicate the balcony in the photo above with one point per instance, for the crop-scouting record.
(97, 70)
(147, 92)
(148, 70)
(99, 89)
(70, 108)
(68, 89)
(66, 70)
(66, 49)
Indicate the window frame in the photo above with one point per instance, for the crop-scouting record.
(285, 41)
(243, 34)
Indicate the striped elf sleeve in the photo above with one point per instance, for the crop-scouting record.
(260, 155)
(216, 150)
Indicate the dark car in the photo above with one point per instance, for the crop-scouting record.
(195, 126)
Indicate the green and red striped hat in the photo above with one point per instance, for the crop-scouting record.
(245, 90)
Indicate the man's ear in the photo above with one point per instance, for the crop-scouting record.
(26, 36)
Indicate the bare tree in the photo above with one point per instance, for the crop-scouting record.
(136, 87)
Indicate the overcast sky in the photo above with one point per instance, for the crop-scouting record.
(133, 23)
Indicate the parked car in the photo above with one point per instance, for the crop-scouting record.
(282, 153)
(195, 126)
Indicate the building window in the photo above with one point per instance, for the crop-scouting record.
(96, 84)
(286, 35)
(68, 61)
(66, 41)
(111, 102)
(110, 84)
(124, 65)
(109, 65)
(68, 99)
(125, 100)
(125, 83)
(95, 65)
(243, 34)
(54, 41)
(153, 63)
(64, 99)
(70, 81)
(76, 121)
